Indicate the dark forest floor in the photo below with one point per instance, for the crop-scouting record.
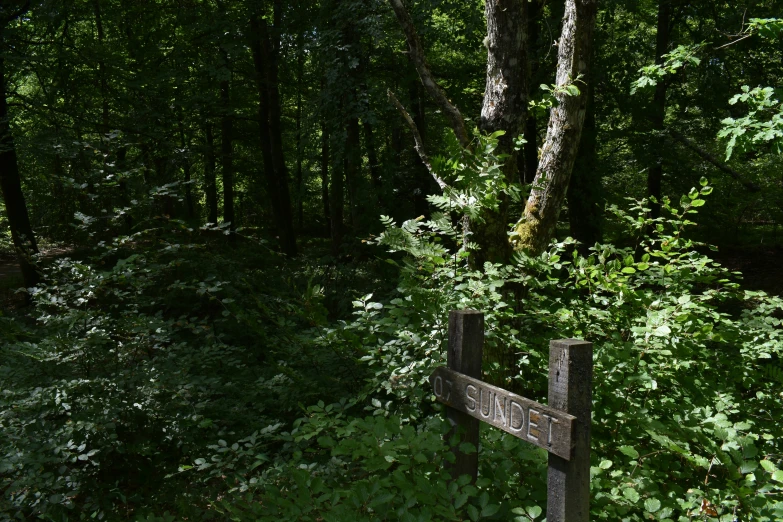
(10, 281)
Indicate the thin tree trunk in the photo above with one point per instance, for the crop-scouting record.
(372, 158)
(336, 204)
(102, 74)
(325, 177)
(210, 182)
(11, 185)
(299, 181)
(353, 159)
(185, 143)
(422, 180)
(226, 152)
(658, 112)
(564, 131)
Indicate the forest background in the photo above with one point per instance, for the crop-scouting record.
(219, 317)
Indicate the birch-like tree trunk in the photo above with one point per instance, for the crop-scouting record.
(505, 108)
(564, 131)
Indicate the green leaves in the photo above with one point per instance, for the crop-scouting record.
(673, 61)
(762, 125)
(652, 505)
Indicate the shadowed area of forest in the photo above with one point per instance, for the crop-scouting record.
(232, 234)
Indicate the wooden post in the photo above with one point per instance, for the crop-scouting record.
(570, 391)
(466, 347)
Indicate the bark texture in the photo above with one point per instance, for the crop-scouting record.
(506, 90)
(504, 109)
(564, 131)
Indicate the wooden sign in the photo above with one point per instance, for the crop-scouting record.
(524, 418)
(562, 428)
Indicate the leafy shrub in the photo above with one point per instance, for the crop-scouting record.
(685, 403)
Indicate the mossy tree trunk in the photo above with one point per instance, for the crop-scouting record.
(564, 131)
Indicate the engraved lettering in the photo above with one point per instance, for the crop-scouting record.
(531, 424)
(535, 423)
(481, 403)
(550, 420)
(511, 416)
(500, 411)
(438, 386)
(472, 404)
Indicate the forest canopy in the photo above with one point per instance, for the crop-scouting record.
(232, 233)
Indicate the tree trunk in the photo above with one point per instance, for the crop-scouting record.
(186, 168)
(325, 176)
(336, 203)
(257, 49)
(658, 110)
(528, 164)
(226, 152)
(102, 74)
(585, 192)
(11, 185)
(265, 59)
(422, 180)
(353, 159)
(299, 181)
(210, 182)
(504, 109)
(564, 131)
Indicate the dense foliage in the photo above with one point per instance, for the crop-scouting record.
(194, 350)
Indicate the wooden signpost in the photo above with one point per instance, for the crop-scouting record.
(562, 427)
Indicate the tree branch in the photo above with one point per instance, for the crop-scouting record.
(417, 138)
(752, 187)
(423, 68)
(733, 42)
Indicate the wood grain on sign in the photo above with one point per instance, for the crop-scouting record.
(529, 420)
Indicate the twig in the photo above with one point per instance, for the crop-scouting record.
(417, 138)
(423, 68)
(733, 42)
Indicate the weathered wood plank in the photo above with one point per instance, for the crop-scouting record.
(570, 390)
(466, 348)
(541, 425)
